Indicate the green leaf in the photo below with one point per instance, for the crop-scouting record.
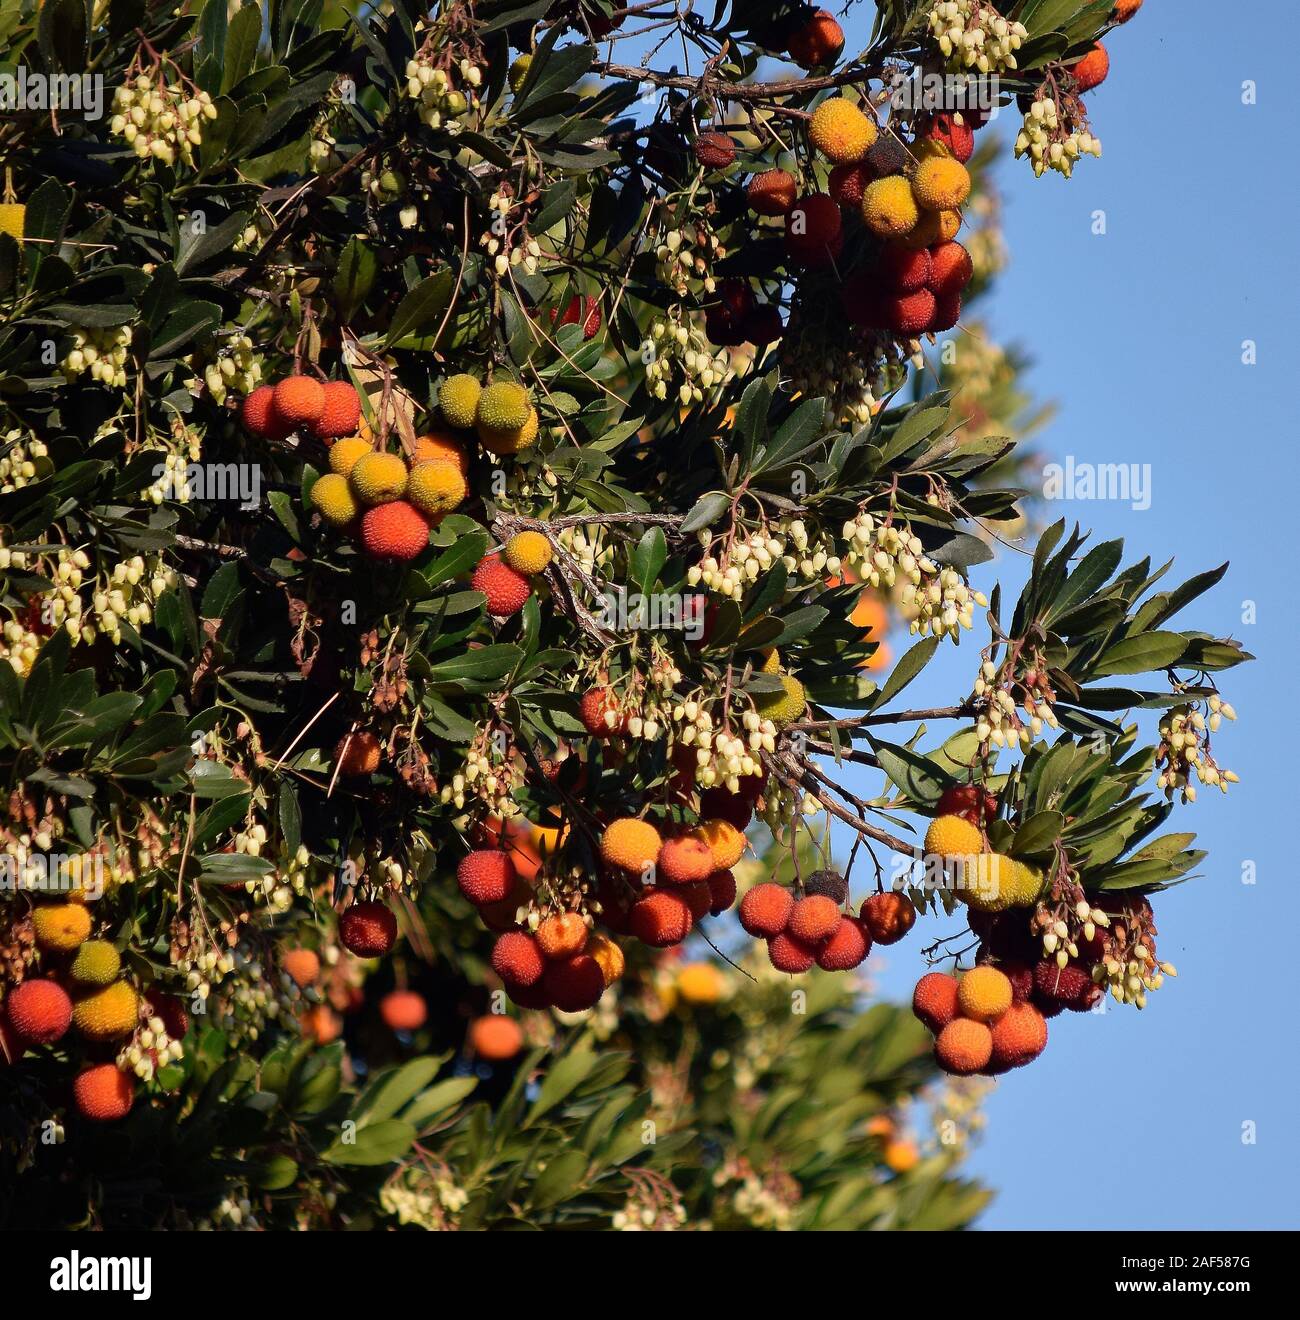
(421, 309)
(1037, 834)
(708, 509)
(649, 558)
(391, 1090)
(1142, 654)
(565, 1076)
(355, 276)
(438, 1100)
(919, 778)
(484, 664)
(906, 670)
(242, 37)
(382, 1143)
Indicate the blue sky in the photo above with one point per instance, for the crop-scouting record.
(1135, 1120)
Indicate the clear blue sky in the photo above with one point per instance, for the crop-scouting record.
(1135, 1120)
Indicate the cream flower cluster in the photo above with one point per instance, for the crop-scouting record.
(100, 350)
(18, 462)
(441, 102)
(677, 348)
(157, 119)
(972, 35)
(935, 597)
(1047, 143)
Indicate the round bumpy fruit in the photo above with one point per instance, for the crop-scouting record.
(403, 1010)
(714, 150)
(830, 884)
(968, 800)
(458, 401)
(722, 891)
(660, 918)
(302, 966)
(345, 454)
(791, 955)
(950, 269)
(496, 1037)
(97, 963)
(103, 1092)
(947, 312)
(910, 313)
(440, 446)
(368, 929)
(953, 133)
(813, 918)
(630, 844)
(725, 842)
(517, 959)
(765, 910)
(783, 707)
(700, 983)
(888, 917)
(341, 413)
(1125, 9)
(395, 531)
(299, 400)
(813, 230)
(574, 984)
(951, 836)
(984, 994)
(989, 884)
(771, 193)
(840, 131)
(1069, 986)
(377, 478)
(934, 1000)
(39, 1011)
(847, 183)
(889, 208)
(1019, 1036)
(436, 487)
(506, 590)
(941, 183)
(502, 407)
(60, 927)
(600, 713)
(486, 875)
(512, 440)
(529, 553)
(817, 42)
(963, 1047)
(609, 955)
(684, 860)
(332, 498)
(1091, 70)
(258, 413)
(562, 935)
(108, 1013)
(357, 754)
(928, 231)
(845, 947)
(903, 270)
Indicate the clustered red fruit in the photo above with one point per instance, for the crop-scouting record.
(325, 410)
(910, 291)
(736, 318)
(805, 931)
(982, 1023)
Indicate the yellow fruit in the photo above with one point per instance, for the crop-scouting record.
(331, 497)
(512, 441)
(941, 183)
(528, 552)
(990, 884)
(889, 208)
(700, 983)
(97, 963)
(13, 220)
(783, 707)
(519, 71)
(840, 131)
(608, 956)
(502, 407)
(107, 1013)
(901, 1156)
(725, 842)
(60, 927)
(458, 401)
(436, 487)
(632, 845)
(378, 478)
(1026, 884)
(984, 994)
(949, 224)
(953, 836)
(345, 453)
(928, 231)
(771, 662)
